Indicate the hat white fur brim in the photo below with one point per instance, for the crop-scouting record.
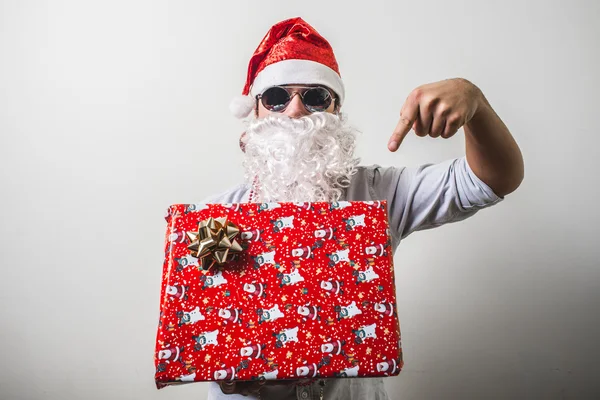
(288, 72)
(302, 72)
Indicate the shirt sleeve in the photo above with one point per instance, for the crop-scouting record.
(431, 195)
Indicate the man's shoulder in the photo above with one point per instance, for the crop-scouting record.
(235, 194)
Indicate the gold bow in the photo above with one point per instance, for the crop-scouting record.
(214, 242)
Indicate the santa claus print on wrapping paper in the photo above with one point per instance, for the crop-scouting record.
(253, 351)
(170, 354)
(379, 250)
(190, 317)
(229, 373)
(333, 287)
(306, 206)
(253, 235)
(256, 289)
(311, 370)
(335, 347)
(309, 313)
(385, 308)
(177, 291)
(326, 234)
(231, 315)
(282, 223)
(306, 252)
(388, 367)
(176, 237)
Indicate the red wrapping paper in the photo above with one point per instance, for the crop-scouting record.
(311, 295)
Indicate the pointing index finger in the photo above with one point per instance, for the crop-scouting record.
(408, 116)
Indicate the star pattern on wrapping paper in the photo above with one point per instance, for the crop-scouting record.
(361, 295)
(207, 358)
(303, 223)
(308, 335)
(358, 236)
(289, 355)
(285, 239)
(386, 331)
(205, 301)
(369, 350)
(228, 338)
(375, 220)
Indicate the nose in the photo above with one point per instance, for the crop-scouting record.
(296, 109)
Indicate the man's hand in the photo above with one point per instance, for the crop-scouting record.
(243, 388)
(437, 109)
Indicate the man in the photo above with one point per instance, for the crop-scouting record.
(298, 147)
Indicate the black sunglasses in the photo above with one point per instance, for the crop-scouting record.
(314, 98)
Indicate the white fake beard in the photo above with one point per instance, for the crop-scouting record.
(299, 159)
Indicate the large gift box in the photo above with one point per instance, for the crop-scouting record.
(277, 291)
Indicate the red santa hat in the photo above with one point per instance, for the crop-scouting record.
(292, 52)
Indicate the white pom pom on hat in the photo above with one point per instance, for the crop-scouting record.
(292, 52)
(241, 106)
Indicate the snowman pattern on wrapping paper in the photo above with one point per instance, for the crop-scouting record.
(339, 256)
(296, 253)
(213, 281)
(355, 221)
(286, 336)
(195, 208)
(349, 311)
(206, 339)
(269, 315)
(268, 207)
(287, 279)
(187, 261)
(190, 317)
(282, 223)
(365, 276)
(365, 332)
(265, 258)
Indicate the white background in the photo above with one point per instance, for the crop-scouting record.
(112, 110)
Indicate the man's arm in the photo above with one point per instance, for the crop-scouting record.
(492, 152)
